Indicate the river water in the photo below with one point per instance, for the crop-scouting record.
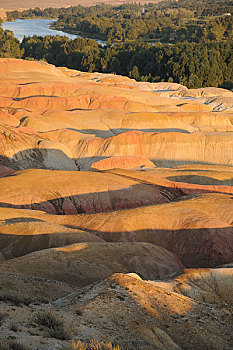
(30, 27)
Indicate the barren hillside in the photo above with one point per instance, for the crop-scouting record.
(116, 212)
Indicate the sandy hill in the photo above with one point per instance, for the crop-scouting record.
(116, 208)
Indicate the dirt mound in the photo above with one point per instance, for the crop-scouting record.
(23, 235)
(81, 264)
(122, 163)
(197, 229)
(72, 192)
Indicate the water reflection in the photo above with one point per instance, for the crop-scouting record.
(30, 27)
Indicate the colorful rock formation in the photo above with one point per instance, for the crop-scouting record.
(116, 207)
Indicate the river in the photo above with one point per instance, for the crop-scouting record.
(40, 27)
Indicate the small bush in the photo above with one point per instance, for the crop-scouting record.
(4, 346)
(10, 297)
(53, 323)
(78, 312)
(59, 332)
(14, 327)
(2, 316)
(14, 298)
(76, 345)
(12, 345)
(96, 345)
(93, 345)
(47, 318)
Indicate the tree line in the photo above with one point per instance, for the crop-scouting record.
(189, 63)
(167, 21)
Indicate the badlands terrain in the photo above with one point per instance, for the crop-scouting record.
(116, 212)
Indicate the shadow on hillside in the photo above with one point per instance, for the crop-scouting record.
(40, 158)
(196, 247)
(143, 193)
(135, 195)
(56, 159)
(113, 132)
(16, 245)
(202, 180)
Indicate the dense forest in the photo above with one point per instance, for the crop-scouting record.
(192, 41)
(167, 21)
(192, 64)
(9, 45)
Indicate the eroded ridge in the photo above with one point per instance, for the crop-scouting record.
(116, 209)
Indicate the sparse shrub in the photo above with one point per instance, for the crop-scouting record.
(53, 323)
(76, 345)
(2, 316)
(12, 345)
(78, 312)
(47, 318)
(59, 332)
(4, 346)
(14, 327)
(93, 345)
(96, 345)
(14, 298)
(43, 300)
(121, 297)
(10, 297)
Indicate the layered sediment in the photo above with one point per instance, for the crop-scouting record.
(116, 201)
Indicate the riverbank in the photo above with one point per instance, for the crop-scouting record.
(30, 27)
(88, 35)
(103, 40)
(39, 27)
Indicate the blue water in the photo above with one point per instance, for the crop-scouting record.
(30, 27)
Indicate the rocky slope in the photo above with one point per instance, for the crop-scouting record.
(134, 313)
(116, 209)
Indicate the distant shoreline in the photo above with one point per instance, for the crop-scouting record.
(13, 5)
(52, 28)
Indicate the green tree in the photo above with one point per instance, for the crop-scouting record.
(194, 82)
(116, 66)
(134, 73)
